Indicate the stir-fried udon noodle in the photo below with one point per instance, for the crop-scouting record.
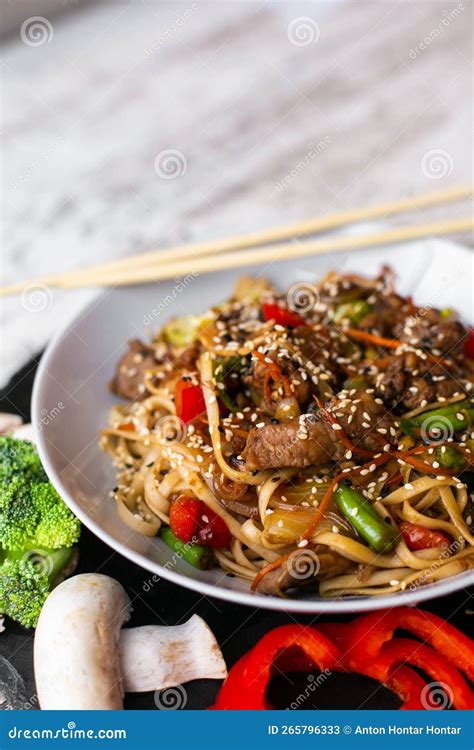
(322, 437)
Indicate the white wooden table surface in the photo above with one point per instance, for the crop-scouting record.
(136, 124)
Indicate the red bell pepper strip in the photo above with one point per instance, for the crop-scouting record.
(469, 344)
(246, 684)
(184, 517)
(191, 520)
(419, 537)
(363, 640)
(406, 650)
(189, 400)
(281, 315)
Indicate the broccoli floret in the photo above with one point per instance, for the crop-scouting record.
(23, 590)
(26, 578)
(33, 513)
(37, 533)
(18, 515)
(57, 526)
(19, 458)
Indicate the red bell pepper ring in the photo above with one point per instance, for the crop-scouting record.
(281, 315)
(469, 344)
(189, 400)
(419, 537)
(246, 684)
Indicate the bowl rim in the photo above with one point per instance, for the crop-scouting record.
(258, 601)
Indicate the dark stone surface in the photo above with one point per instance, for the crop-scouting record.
(237, 628)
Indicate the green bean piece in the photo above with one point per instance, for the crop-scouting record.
(448, 457)
(456, 417)
(194, 554)
(379, 535)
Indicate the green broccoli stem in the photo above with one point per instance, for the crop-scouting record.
(52, 562)
(194, 554)
(379, 535)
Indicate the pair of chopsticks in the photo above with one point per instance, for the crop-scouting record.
(261, 247)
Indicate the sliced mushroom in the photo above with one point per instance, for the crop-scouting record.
(84, 661)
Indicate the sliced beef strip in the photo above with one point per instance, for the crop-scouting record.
(311, 441)
(129, 380)
(408, 380)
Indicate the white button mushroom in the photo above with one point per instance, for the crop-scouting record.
(84, 661)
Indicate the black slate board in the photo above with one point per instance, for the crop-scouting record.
(237, 628)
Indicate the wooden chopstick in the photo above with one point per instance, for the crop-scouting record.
(276, 252)
(100, 275)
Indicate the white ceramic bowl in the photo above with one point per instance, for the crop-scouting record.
(71, 400)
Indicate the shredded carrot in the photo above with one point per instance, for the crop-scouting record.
(370, 338)
(422, 466)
